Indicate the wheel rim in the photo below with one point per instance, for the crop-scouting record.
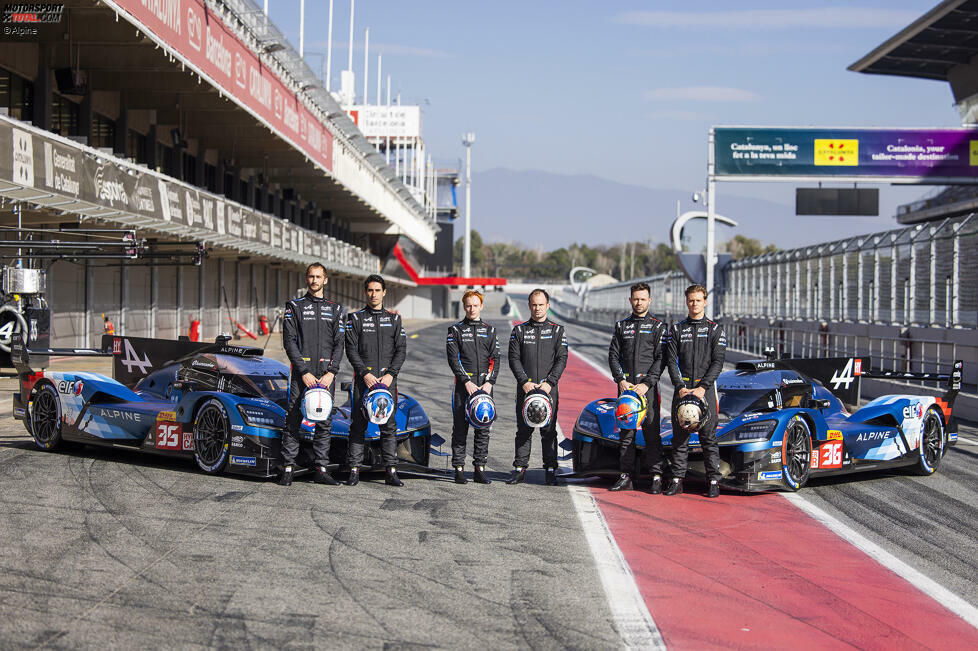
(209, 434)
(932, 441)
(44, 418)
(798, 455)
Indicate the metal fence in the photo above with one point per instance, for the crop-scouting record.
(921, 275)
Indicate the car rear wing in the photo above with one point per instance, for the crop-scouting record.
(952, 380)
(20, 354)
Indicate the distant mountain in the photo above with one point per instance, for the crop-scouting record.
(549, 210)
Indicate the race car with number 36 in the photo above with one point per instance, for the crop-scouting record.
(781, 426)
(220, 404)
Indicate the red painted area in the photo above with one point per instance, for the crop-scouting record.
(753, 571)
(440, 280)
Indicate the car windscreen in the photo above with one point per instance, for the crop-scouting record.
(259, 377)
(734, 402)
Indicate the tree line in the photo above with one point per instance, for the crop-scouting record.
(622, 261)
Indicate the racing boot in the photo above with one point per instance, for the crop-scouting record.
(323, 476)
(354, 477)
(675, 487)
(655, 487)
(624, 483)
(519, 474)
(286, 478)
(479, 475)
(551, 477)
(714, 489)
(392, 478)
(460, 476)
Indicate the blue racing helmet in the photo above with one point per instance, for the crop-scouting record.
(630, 410)
(378, 404)
(480, 410)
(317, 404)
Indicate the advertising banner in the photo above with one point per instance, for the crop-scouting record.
(199, 35)
(387, 121)
(929, 155)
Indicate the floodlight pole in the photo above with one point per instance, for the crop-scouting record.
(467, 140)
(711, 247)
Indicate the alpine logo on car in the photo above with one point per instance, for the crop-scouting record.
(131, 359)
(852, 369)
(872, 436)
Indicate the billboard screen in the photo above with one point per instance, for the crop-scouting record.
(931, 155)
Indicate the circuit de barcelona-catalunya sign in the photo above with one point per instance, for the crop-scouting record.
(933, 156)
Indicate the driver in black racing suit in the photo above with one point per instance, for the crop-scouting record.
(694, 356)
(312, 335)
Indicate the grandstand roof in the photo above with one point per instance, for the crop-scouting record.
(944, 37)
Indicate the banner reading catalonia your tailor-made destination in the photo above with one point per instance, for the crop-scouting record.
(934, 155)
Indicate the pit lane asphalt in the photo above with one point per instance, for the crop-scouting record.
(108, 548)
(927, 522)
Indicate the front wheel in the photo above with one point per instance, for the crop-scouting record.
(45, 417)
(933, 443)
(211, 437)
(796, 454)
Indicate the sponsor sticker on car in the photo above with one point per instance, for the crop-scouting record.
(834, 435)
(243, 461)
(166, 415)
(771, 475)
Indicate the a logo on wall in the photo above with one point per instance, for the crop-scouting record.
(23, 158)
(108, 189)
(195, 29)
(277, 104)
(240, 70)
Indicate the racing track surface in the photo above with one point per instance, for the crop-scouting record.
(111, 548)
(105, 548)
(927, 522)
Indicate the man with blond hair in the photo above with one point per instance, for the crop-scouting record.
(473, 355)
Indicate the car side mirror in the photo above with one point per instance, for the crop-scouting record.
(823, 404)
(345, 386)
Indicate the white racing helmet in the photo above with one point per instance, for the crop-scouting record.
(691, 411)
(317, 404)
(538, 408)
(379, 404)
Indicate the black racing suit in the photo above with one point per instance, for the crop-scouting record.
(473, 355)
(376, 344)
(635, 355)
(537, 353)
(694, 357)
(312, 334)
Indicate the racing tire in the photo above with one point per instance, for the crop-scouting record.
(796, 454)
(44, 421)
(933, 443)
(212, 437)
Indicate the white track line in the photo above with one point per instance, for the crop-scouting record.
(632, 619)
(925, 584)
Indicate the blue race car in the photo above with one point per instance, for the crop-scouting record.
(780, 426)
(222, 405)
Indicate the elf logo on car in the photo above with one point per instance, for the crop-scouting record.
(853, 368)
(913, 411)
(132, 359)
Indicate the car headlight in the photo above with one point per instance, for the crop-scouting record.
(416, 418)
(588, 423)
(749, 432)
(258, 417)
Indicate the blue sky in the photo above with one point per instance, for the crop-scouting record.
(627, 90)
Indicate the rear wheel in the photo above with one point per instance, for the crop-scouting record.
(933, 443)
(796, 454)
(45, 417)
(211, 437)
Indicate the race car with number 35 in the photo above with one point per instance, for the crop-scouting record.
(220, 404)
(780, 425)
